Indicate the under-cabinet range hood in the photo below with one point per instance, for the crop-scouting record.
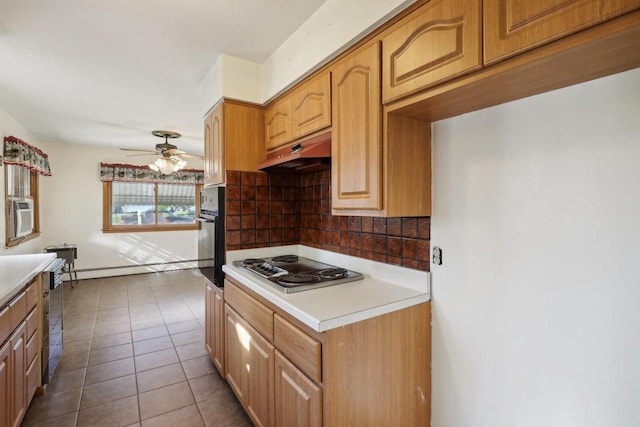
(311, 155)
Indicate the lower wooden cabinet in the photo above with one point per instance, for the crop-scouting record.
(250, 368)
(208, 320)
(237, 354)
(349, 375)
(33, 377)
(20, 368)
(214, 326)
(5, 385)
(218, 330)
(259, 397)
(298, 399)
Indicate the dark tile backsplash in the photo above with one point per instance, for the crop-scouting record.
(273, 210)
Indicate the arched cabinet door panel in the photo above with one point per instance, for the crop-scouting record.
(514, 26)
(438, 42)
(356, 137)
(311, 106)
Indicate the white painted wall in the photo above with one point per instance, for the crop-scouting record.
(231, 77)
(536, 205)
(335, 26)
(72, 201)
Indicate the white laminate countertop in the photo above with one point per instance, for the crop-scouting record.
(17, 270)
(385, 288)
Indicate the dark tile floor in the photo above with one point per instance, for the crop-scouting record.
(134, 355)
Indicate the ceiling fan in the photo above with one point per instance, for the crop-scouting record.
(171, 159)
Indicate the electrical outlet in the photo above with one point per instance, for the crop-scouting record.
(437, 256)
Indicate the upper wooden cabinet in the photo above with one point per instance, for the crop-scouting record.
(213, 148)
(356, 143)
(311, 106)
(439, 41)
(514, 26)
(277, 124)
(233, 138)
(306, 110)
(378, 168)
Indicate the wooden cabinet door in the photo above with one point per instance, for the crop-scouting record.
(217, 344)
(514, 26)
(5, 385)
(237, 353)
(441, 40)
(18, 373)
(277, 124)
(208, 320)
(208, 153)
(298, 400)
(311, 106)
(249, 368)
(33, 376)
(356, 143)
(217, 157)
(260, 393)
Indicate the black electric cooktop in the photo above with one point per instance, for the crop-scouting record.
(293, 273)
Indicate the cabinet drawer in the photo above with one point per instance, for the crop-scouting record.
(18, 310)
(32, 295)
(259, 316)
(5, 324)
(32, 323)
(32, 348)
(304, 351)
(440, 41)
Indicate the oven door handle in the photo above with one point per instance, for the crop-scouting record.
(199, 219)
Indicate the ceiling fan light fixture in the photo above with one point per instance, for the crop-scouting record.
(167, 166)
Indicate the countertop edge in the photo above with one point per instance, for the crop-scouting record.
(325, 324)
(32, 265)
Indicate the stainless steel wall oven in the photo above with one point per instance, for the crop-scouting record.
(211, 232)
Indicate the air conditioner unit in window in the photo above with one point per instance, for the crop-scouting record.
(22, 217)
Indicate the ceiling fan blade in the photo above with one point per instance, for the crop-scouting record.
(191, 156)
(175, 152)
(151, 153)
(140, 151)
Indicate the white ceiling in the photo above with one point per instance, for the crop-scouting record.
(109, 72)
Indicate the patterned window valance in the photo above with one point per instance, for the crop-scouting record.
(135, 173)
(17, 152)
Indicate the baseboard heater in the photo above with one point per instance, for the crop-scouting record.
(151, 264)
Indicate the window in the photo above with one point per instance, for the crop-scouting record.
(136, 198)
(149, 206)
(21, 184)
(23, 163)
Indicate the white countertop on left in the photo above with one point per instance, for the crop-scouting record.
(17, 270)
